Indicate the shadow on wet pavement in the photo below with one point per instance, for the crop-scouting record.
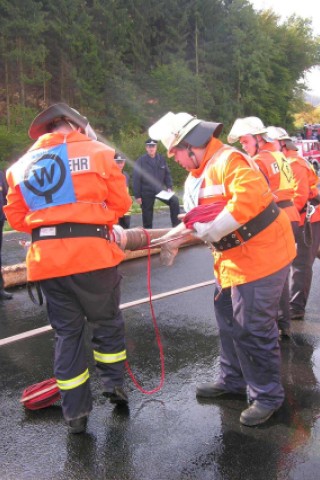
(170, 435)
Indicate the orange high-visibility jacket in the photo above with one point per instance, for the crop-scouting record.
(230, 175)
(306, 184)
(94, 192)
(279, 175)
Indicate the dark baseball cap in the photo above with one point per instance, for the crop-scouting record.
(151, 142)
(119, 157)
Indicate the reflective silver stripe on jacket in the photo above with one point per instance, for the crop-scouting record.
(211, 191)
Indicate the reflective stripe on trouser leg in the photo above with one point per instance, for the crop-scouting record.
(110, 352)
(110, 367)
(73, 382)
(72, 390)
(255, 333)
(109, 357)
(70, 364)
(101, 305)
(230, 370)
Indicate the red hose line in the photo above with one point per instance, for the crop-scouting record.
(157, 333)
(201, 213)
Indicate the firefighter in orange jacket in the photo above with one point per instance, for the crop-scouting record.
(258, 142)
(67, 192)
(253, 246)
(308, 234)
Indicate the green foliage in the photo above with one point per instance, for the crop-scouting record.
(11, 146)
(124, 63)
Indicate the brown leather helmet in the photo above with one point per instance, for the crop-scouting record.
(41, 124)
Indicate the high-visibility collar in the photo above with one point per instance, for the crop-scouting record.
(212, 147)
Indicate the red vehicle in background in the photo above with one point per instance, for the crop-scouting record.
(310, 150)
(311, 131)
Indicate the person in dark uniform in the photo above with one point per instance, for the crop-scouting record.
(120, 159)
(151, 175)
(3, 194)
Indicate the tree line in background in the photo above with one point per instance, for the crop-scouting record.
(124, 63)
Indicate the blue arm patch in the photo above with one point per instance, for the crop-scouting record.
(44, 178)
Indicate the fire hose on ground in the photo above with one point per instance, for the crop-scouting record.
(46, 393)
(136, 243)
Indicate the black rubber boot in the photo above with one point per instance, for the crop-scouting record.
(117, 395)
(214, 390)
(78, 425)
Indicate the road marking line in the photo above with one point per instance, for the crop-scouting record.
(39, 331)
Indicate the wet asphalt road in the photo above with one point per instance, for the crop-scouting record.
(169, 435)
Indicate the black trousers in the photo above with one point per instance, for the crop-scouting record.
(147, 210)
(125, 221)
(71, 300)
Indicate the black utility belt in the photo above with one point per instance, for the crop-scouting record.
(69, 230)
(313, 201)
(249, 229)
(285, 203)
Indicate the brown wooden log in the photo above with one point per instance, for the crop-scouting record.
(15, 275)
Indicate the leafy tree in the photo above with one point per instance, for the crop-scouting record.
(124, 63)
(307, 114)
(176, 88)
(294, 50)
(22, 54)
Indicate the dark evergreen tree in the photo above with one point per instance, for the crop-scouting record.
(124, 63)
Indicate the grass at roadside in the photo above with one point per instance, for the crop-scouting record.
(6, 227)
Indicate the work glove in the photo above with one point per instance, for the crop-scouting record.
(172, 241)
(118, 235)
(205, 231)
(213, 230)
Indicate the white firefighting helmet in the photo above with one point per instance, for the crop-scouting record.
(280, 134)
(247, 126)
(172, 128)
(273, 133)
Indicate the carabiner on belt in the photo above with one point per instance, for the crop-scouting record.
(310, 211)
